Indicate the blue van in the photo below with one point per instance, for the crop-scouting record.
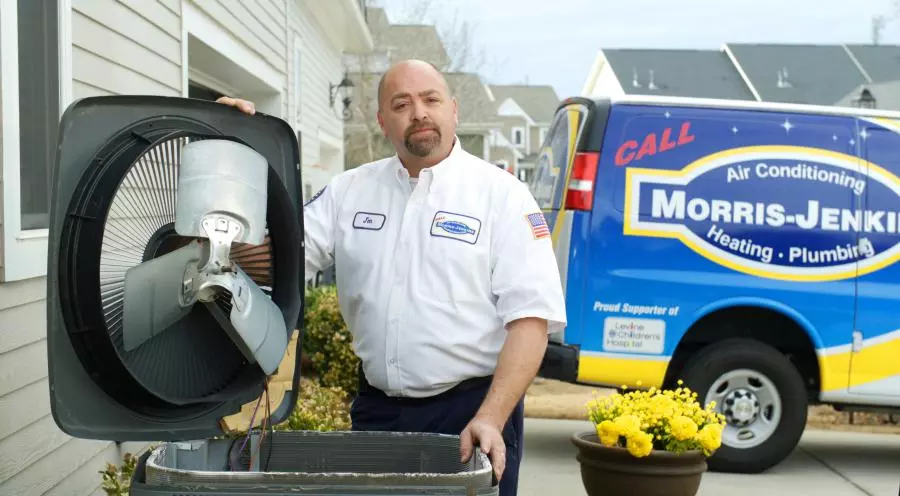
(746, 248)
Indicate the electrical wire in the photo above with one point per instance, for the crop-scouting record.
(266, 423)
(249, 428)
(271, 426)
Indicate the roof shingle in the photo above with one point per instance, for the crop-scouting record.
(677, 72)
(881, 62)
(538, 101)
(815, 74)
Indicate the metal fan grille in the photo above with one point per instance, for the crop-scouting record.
(144, 203)
(194, 357)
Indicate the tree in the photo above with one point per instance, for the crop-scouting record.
(425, 29)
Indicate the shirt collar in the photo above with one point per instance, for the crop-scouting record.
(437, 171)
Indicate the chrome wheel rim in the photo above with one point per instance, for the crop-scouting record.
(751, 405)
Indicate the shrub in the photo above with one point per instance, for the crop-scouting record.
(319, 408)
(116, 479)
(328, 342)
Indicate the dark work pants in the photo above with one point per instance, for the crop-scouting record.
(447, 413)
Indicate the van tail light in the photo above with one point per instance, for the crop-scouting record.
(580, 195)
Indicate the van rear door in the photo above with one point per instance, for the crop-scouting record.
(552, 182)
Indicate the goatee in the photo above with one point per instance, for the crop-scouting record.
(424, 145)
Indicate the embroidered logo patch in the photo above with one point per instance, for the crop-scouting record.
(368, 220)
(538, 225)
(456, 226)
(318, 194)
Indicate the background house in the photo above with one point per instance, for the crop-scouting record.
(504, 125)
(283, 54)
(364, 140)
(527, 112)
(788, 73)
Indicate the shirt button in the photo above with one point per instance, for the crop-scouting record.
(393, 361)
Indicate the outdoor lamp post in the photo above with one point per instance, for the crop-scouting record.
(345, 87)
(865, 99)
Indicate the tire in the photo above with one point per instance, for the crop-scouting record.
(735, 366)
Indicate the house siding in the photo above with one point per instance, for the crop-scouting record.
(499, 153)
(536, 138)
(607, 84)
(117, 48)
(259, 25)
(510, 123)
(135, 47)
(320, 126)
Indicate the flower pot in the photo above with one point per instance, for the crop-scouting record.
(613, 471)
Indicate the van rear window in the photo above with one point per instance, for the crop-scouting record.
(549, 182)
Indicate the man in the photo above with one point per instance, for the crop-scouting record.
(446, 277)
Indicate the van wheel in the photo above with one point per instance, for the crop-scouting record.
(762, 396)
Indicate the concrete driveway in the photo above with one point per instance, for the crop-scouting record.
(825, 463)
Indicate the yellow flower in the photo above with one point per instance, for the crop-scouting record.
(683, 428)
(628, 425)
(710, 437)
(607, 432)
(640, 444)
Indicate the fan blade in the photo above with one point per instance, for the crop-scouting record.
(159, 293)
(258, 322)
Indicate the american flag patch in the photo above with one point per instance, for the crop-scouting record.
(538, 225)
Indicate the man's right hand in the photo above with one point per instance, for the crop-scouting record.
(244, 106)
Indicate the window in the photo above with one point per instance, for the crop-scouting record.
(548, 177)
(35, 55)
(38, 44)
(197, 90)
(518, 136)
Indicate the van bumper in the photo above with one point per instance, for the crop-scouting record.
(560, 362)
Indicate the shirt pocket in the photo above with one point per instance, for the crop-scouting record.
(455, 262)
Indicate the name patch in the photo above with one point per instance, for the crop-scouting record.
(456, 226)
(369, 221)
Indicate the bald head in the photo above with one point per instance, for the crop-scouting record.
(416, 112)
(404, 68)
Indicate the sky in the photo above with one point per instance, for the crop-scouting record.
(572, 31)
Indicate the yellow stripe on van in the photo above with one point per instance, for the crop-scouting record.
(622, 371)
(834, 371)
(574, 129)
(875, 362)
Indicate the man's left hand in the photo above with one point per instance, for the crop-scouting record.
(244, 106)
(486, 435)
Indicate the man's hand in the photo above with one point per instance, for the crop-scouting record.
(244, 106)
(487, 435)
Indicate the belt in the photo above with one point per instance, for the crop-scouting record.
(465, 385)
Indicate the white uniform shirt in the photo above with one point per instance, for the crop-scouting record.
(429, 275)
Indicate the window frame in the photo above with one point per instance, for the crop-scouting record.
(24, 251)
(513, 140)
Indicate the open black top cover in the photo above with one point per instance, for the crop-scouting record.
(112, 208)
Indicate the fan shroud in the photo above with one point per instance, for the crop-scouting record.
(121, 215)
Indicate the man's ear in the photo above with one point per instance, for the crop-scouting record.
(455, 110)
(381, 122)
